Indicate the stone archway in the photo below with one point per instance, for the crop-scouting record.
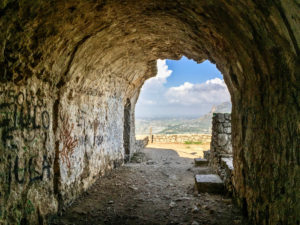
(76, 62)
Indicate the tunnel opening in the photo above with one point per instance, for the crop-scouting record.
(182, 91)
(77, 66)
(186, 107)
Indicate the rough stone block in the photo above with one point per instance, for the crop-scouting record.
(201, 162)
(222, 139)
(228, 148)
(210, 183)
(220, 128)
(220, 117)
(227, 116)
(227, 130)
(227, 124)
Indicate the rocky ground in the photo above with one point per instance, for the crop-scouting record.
(157, 187)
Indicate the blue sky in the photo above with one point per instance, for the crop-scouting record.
(185, 70)
(182, 88)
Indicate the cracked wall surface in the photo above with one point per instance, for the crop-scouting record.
(68, 67)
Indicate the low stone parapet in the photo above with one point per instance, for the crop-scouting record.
(141, 143)
(180, 138)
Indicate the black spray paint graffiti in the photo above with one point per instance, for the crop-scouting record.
(23, 115)
(35, 175)
(28, 173)
(21, 111)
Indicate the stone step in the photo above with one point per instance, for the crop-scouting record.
(210, 183)
(201, 162)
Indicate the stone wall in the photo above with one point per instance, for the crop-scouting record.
(180, 138)
(27, 152)
(54, 150)
(141, 144)
(221, 155)
(220, 145)
(89, 140)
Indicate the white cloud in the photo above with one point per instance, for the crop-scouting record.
(153, 89)
(216, 81)
(212, 91)
(160, 79)
(187, 99)
(148, 102)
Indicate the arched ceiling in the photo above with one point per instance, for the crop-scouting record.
(87, 42)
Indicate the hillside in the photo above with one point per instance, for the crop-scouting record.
(181, 125)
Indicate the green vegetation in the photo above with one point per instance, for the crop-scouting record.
(193, 142)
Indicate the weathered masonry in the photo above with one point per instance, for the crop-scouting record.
(220, 154)
(179, 138)
(71, 72)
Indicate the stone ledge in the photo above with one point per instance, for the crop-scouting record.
(210, 183)
(200, 162)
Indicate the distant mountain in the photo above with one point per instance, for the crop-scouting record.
(143, 126)
(206, 120)
(181, 125)
(224, 107)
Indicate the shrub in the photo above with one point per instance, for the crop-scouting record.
(193, 142)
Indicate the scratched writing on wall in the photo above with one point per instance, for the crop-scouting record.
(69, 143)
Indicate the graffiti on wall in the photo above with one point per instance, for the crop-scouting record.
(29, 170)
(21, 111)
(24, 124)
(90, 92)
(84, 136)
(91, 141)
(22, 171)
(69, 143)
(87, 128)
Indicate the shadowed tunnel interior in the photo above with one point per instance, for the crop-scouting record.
(68, 67)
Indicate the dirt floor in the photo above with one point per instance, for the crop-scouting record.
(183, 150)
(156, 187)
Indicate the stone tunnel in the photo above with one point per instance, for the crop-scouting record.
(71, 72)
